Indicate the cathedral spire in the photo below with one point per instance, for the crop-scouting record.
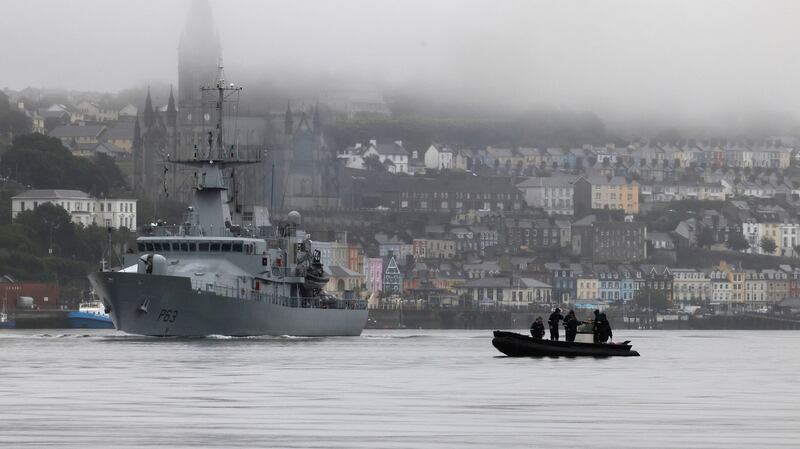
(137, 135)
(172, 113)
(316, 120)
(288, 125)
(149, 118)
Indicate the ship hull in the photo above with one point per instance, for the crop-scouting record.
(146, 304)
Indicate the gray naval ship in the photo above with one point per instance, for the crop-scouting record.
(209, 276)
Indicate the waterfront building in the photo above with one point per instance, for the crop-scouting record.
(609, 283)
(658, 278)
(373, 274)
(392, 278)
(755, 289)
(691, 286)
(505, 292)
(563, 279)
(777, 286)
(587, 287)
(737, 281)
(342, 280)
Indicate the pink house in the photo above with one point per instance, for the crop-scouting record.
(373, 274)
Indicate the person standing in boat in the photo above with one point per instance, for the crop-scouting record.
(555, 317)
(537, 329)
(571, 324)
(601, 327)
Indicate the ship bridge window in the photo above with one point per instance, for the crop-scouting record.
(176, 246)
(184, 247)
(140, 246)
(202, 246)
(215, 246)
(192, 246)
(226, 247)
(148, 246)
(237, 247)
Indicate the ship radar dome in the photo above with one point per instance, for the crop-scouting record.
(294, 217)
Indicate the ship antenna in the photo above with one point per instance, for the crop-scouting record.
(221, 90)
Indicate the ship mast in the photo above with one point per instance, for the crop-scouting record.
(223, 91)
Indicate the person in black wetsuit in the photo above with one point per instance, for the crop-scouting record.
(555, 317)
(571, 324)
(537, 329)
(601, 327)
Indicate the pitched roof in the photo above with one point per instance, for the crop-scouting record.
(52, 193)
(77, 131)
(109, 149)
(341, 272)
(390, 149)
(119, 132)
(548, 181)
(502, 282)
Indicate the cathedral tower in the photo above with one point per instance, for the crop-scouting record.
(199, 56)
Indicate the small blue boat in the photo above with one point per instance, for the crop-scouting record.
(6, 322)
(90, 315)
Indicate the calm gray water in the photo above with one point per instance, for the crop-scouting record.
(397, 389)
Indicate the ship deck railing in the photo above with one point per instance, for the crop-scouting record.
(325, 301)
(187, 230)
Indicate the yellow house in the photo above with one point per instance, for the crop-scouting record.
(598, 192)
(737, 280)
(587, 288)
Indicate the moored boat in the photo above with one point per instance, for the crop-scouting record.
(90, 315)
(513, 344)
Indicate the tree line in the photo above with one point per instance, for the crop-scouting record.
(42, 162)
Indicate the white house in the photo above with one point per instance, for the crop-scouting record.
(84, 209)
(129, 111)
(553, 194)
(394, 152)
(439, 157)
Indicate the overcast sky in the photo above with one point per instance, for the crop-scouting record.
(633, 57)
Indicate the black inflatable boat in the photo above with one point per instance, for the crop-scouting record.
(518, 345)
